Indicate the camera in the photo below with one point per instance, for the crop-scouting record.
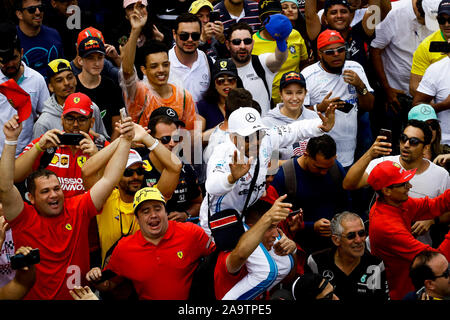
(70, 139)
(20, 261)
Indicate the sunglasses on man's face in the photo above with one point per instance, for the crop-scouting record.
(184, 36)
(352, 235)
(413, 141)
(237, 42)
(442, 20)
(445, 274)
(32, 9)
(332, 52)
(166, 139)
(130, 172)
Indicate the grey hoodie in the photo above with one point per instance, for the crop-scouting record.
(275, 118)
(50, 118)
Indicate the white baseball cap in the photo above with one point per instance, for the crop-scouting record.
(245, 121)
(133, 158)
(430, 7)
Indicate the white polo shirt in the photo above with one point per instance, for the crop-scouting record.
(399, 34)
(195, 80)
(436, 83)
(34, 84)
(319, 83)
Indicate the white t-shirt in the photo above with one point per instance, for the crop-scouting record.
(319, 83)
(436, 83)
(399, 34)
(34, 84)
(430, 183)
(253, 83)
(195, 80)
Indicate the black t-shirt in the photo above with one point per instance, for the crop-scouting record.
(108, 97)
(186, 190)
(366, 282)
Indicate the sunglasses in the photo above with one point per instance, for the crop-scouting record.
(237, 42)
(221, 81)
(184, 36)
(332, 52)
(130, 172)
(166, 139)
(32, 9)
(413, 141)
(441, 20)
(399, 185)
(444, 275)
(352, 235)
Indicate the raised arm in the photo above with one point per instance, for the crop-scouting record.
(9, 195)
(312, 19)
(115, 167)
(253, 237)
(280, 35)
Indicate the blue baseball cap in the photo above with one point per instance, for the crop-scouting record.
(279, 27)
(422, 112)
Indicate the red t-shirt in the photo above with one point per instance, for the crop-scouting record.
(63, 245)
(67, 167)
(391, 239)
(223, 280)
(164, 271)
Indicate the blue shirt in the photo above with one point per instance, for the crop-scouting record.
(38, 51)
(211, 113)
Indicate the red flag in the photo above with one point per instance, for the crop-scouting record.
(17, 97)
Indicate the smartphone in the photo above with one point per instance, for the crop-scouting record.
(439, 46)
(387, 133)
(123, 113)
(20, 261)
(346, 107)
(293, 213)
(106, 275)
(70, 139)
(214, 16)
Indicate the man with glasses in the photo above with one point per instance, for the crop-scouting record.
(184, 205)
(354, 272)
(423, 58)
(189, 66)
(431, 180)
(390, 223)
(257, 72)
(338, 80)
(40, 43)
(429, 273)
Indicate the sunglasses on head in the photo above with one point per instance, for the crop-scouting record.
(445, 275)
(166, 139)
(413, 141)
(441, 20)
(221, 80)
(237, 42)
(129, 172)
(184, 36)
(352, 235)
(332, 52)
(32, 9)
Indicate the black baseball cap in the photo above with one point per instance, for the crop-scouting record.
(90, 45)
(10, 41)
(444, 7)
(292, 77)
(329, 3)
(267, 8)
(224, 66)
(168, 113)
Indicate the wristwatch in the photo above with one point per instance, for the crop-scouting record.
(363, 91)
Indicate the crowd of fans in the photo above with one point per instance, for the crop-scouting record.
(236, 149)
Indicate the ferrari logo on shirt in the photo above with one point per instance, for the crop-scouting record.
(69, 227)
(81, 160)
(180, 254)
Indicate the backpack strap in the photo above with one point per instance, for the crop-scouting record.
(290, 178)
(256, 63)
(336, 174)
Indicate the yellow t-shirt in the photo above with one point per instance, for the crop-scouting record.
(297, 52)
(423, 58)
(117, 219)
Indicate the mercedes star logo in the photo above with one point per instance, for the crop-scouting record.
(171, 113)
(250, 117)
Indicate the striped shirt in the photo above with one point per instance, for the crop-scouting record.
(250, 15)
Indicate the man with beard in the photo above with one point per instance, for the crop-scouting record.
(430, 180)
(189, 66)
(29, 80)
(354, 272)
(341, 81)
(257, 72)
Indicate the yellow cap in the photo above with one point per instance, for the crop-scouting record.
(197, 5)
(57, 66)
(148, 193)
